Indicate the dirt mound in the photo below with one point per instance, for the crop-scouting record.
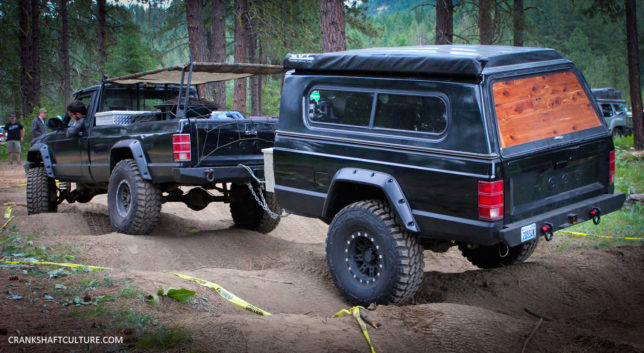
(597, 290)
(590, 299)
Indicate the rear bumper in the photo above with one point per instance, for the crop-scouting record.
(211, 175)
(442, 227)
(559, 218)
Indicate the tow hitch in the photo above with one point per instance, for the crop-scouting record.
(595, 214)
(547, 231)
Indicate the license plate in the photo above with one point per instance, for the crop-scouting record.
(528, 232)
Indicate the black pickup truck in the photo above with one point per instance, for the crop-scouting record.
(403, 149)
(140, 144)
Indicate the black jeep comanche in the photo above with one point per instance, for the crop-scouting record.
(400, 149)
(142, 162)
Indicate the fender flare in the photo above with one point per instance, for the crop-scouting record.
(45, 157)
(137, 152)
(383, 181)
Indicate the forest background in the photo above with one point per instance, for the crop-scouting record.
(38, 69)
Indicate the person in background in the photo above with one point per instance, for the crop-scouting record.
(77, 112)
(15, 133)
(38, 127)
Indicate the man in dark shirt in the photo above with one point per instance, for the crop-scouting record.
(15, 132)
(77, 112)
(38, 127)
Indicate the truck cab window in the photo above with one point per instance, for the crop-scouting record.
(619, 108)
(607, 111)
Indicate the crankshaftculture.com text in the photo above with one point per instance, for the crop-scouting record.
(65, 340)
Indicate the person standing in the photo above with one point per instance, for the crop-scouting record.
(15, 133)
(38, 127)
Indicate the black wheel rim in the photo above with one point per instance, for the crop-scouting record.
(123, 198)
(363, 257)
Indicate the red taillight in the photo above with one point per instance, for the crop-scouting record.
(491, 200)
(181, 147)
(611, 167)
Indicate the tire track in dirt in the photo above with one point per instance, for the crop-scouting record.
(594, 296)
(598, 290)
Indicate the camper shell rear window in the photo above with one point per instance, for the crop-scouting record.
(535, 108)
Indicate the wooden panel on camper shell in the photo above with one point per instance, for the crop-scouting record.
(535, 108)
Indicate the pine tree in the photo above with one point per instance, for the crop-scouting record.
(332, 25)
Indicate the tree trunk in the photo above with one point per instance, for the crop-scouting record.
(101, 18)
(241, 52)
(255, 93)
(634, 73)
(259, 80)
(444, 21)
(332, 25)
(24, 38)
(196, 36)
(35, 54)
(63, 53)
(218, 48)
(518, 22)
(486, 29)
(26, 57)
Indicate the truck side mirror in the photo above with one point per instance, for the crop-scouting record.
(54, 123)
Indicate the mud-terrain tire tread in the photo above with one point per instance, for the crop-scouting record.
(268, 223)
(41, 192)
(408, 254)
(247, 214)
(488, 256)
(146, 200)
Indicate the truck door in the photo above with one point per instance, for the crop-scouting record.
(71, 154)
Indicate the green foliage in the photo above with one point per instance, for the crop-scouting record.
(17, 245)
(623, 143)
(128, 292)
(589, 32)
(164, 338)
(132, 54)
(629, 221)
(181, 295)
(271, 95)
(120, 319)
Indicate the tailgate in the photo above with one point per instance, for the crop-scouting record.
(554, 146)
(222, 142)
(541, 182)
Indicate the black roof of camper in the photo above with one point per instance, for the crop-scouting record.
(466, 60)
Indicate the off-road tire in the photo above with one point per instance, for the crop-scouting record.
(490, 256)
(364, 237)
(248, 214)
(618, 132)
(42, 195)
(144, 207)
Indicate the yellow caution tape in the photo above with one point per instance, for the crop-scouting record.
(355, 311)
(62, 264)
(11, 186)
(226, 294)
(6, 223)
(599, 236)
(7, 212)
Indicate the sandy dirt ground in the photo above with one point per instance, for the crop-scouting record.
(591, 299)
